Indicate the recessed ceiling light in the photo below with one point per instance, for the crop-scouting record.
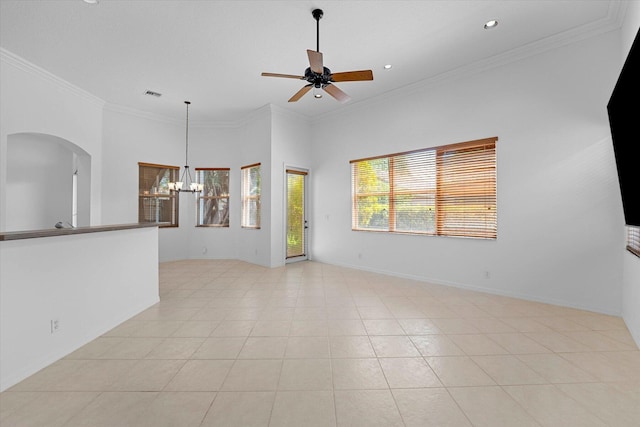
(388, 67)
(490, 24)
(91, 1)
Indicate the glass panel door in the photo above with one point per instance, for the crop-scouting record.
(296, 215)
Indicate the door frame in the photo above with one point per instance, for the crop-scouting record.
(306, 172)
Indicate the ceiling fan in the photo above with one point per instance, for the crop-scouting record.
(319, 76)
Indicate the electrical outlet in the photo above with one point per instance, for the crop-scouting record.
(487, 275)
(55, 325)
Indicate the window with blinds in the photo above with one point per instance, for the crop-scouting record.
(156, 203)
(444, 191)
(213, 202)
(633, 240)
(250, 195)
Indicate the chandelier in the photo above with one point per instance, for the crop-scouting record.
(186, 183)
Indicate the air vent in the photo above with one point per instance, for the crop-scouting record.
(152, 93)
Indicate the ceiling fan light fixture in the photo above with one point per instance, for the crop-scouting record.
(490, 24)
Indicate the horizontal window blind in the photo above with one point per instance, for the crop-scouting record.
(250, 195)
(156, 203)
(633, 240)
(213, 201)
(448, 190)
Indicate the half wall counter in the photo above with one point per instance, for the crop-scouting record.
(62, 288)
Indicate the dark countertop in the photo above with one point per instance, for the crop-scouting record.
(53, 232)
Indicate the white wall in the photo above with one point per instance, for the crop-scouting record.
(90, 283)
(255, 147)
(631, 269)
(35, 101)
(290, 147)
(559, 208)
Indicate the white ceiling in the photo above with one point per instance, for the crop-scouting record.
(212, 52)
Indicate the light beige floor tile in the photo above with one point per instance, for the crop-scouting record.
(614, 407)
(95, 348)
(11, 401)
(111, 409)
(309, 313)
(418, 326)
(124, 329)
(366, 408)
(131, 348)
(429, 407)
(375, 312)
(175, 348)
(477, 344)
(196, 328)
(508, 370)
(210, 314)
(458, 371)
(233, 328)
(45, 409)
(408, 373)
(383, 327)
(277, 313)
(557, 342)
(271, 328)
(309, 328)
(148, 375)
(157, 328)
(556, 369)
(346, 327)
(76, 375)
(200, 375)
(551, 407)
(263, 348)
(352, 374)
(172, 409)
(525, 324)
(491, 407)
(307, 347)
(436, 345)
(253, 375)
(561, 324)
(518, 343)
(596, 341)
(455, 325)
(240, 409)
(351, 346)
(608, 366)
(303, 408)
(393, 346)
(219, 348)
(305, 374)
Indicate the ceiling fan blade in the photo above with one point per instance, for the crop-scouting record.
(315, 61)
(334, 91)
(352, 76)
(301, 92)
(288, 76)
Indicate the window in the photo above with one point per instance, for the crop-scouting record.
(213, 201)
(633, 240)
(443, 191)
(156, 203)
(251, 196)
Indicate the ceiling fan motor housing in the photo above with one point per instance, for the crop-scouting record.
(317, 79)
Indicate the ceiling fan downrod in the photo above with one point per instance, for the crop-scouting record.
(317, 15)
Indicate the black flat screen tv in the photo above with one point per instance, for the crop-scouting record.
(624, 120)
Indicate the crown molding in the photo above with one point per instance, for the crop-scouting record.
(22, 64)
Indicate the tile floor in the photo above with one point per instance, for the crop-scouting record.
(309, 344)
